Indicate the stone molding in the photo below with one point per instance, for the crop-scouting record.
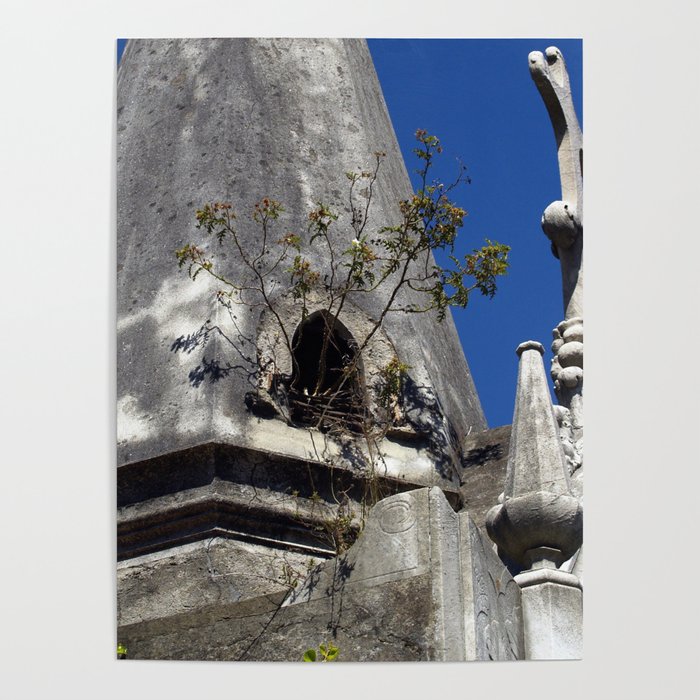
(218, 490)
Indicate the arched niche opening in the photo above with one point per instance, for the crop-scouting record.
(327, 380)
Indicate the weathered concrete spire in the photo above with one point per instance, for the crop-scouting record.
(539, 524)
(562, 222)
(203, 120)
(214, 483)
(538, 508)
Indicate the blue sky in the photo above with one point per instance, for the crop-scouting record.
(477, 96)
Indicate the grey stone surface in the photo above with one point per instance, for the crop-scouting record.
(484, 461)
(575, 565)
(216, 571)
(419, 584)
(563, 224)
(567, 370)
(223, 503)
(563, 220)
(538, 509)
(240, 119)
(411, 535)
(538, 525)
(492, 605)
(216, 500)
(366, 628)
(219, 523)
(552, 603)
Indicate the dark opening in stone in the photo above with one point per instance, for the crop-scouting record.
(326, 386)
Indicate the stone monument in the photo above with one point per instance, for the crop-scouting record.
(238, 523)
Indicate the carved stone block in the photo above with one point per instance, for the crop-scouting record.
(420, 584)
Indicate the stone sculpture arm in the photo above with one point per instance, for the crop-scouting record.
(562, 221)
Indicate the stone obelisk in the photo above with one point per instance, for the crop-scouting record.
(209, 490)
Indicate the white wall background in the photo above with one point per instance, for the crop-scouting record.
(57, 396)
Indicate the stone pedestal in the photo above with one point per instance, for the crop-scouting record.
(552, 603)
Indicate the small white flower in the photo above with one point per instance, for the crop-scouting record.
(355, 243)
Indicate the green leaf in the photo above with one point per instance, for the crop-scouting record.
(310, 655)
(332, 653)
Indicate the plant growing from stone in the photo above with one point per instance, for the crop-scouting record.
(327, 652)
(392, 258)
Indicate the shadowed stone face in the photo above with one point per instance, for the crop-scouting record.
(421, 584)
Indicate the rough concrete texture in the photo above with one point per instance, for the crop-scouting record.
(415, 534)
(218, 523)
(210, 572)
(238, 120)
(538, 524)
(484, 462)
(552, 603)
(492, 607)
(188, 495)
(419, 584)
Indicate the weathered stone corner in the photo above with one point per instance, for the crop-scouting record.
(562, 221)
(420, 584)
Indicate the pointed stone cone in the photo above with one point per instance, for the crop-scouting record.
(204, 120)
(538, 511)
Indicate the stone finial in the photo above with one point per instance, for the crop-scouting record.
(562, 221)
(539, 515)
(529, 345)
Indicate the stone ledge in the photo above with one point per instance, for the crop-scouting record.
(222, 490)
(420, 584)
